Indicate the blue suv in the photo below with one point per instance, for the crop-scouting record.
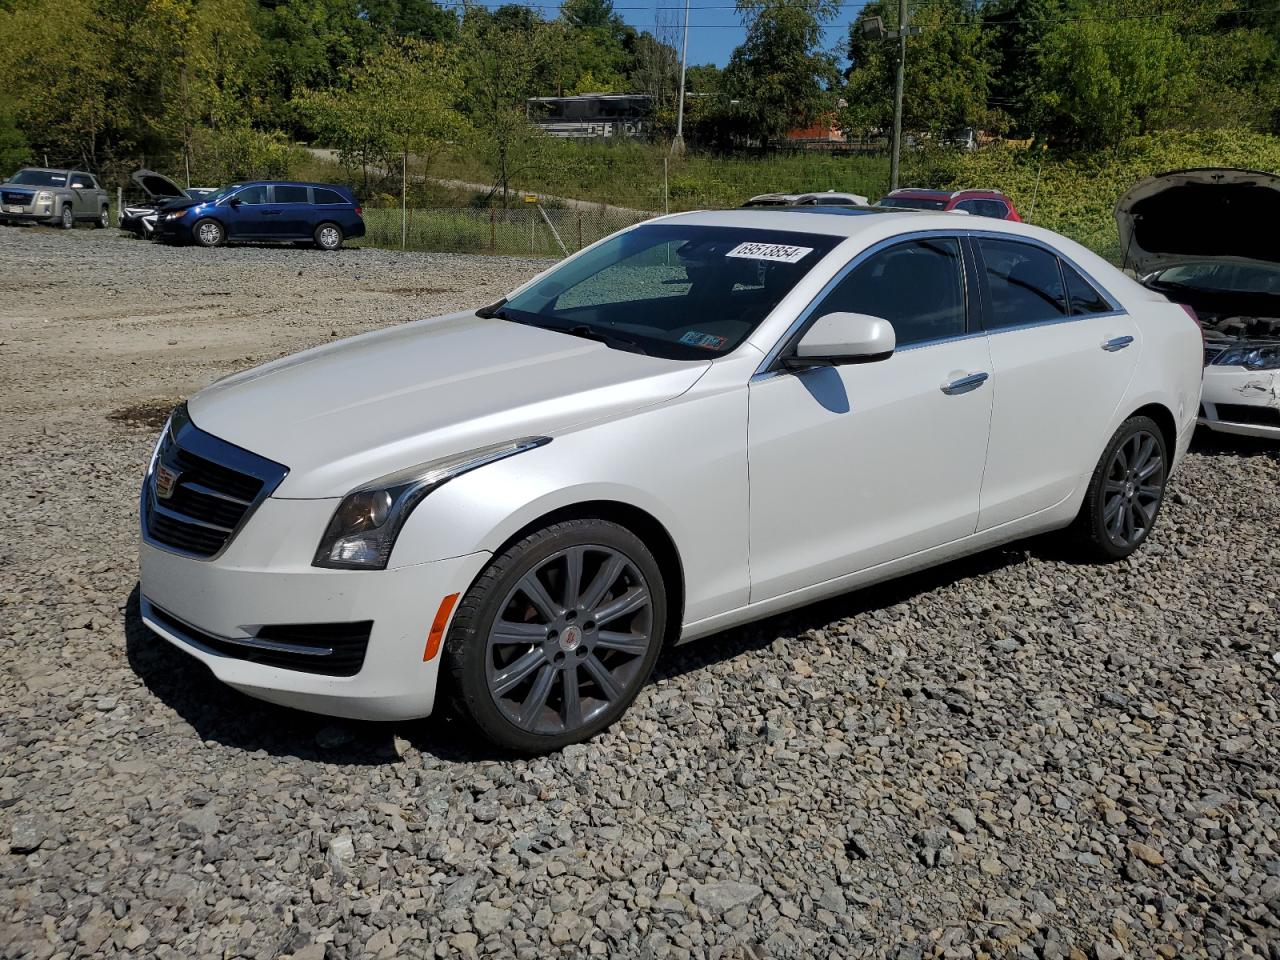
(265, 211)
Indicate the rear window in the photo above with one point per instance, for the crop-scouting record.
(291, 195)
(912, 203)
(1025, 283)
(329, 196)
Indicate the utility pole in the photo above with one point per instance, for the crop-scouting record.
(874, 27)
(677, 143)
(898, 82)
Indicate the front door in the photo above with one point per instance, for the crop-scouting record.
(250, 219)
(857, 465)
(83, 194)
(1062, 356)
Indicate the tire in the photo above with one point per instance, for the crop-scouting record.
(104, 219)
(1125, 492)
(328, 236)
(533, 671)
(209, 233)
(66, 219)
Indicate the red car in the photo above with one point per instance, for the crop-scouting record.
(980, 203)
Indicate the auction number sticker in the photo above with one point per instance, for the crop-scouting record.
(776, 252)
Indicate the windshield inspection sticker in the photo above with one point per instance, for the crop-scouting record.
(706, 341)
(777, 252)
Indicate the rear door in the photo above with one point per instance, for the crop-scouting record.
(1062, 356)
(293, 204)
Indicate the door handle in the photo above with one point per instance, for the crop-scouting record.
(964, 384)
(1116, 343)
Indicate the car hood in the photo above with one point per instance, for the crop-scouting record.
(346, 413)
(1199, 214)
(156, 185)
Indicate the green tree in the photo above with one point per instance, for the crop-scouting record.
(779, 74)
(949, 68)
(14, 149)
(400, 101)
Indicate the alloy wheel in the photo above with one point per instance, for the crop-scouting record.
(1133, 489)
(569, 640)
(210, 234)
(68, 218)
(330, 237)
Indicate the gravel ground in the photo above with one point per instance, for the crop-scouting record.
(1011, 756)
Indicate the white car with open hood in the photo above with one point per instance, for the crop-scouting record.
(697, 422)
(1207, 238)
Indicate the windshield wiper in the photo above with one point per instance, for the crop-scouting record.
(608, 339)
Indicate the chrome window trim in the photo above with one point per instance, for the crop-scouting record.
(767, 366)
(182, 432)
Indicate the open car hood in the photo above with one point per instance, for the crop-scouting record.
(157, 186)
(1200, 214)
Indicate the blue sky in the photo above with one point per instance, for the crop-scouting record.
(715, 27)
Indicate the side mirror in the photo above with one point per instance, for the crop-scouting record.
(234, 202)
(839, 338)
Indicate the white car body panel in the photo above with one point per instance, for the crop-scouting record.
(775, 488)
(1238, 386)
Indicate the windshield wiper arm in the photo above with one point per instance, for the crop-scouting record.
(608, 339)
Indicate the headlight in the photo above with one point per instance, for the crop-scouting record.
(1252, 356)
(177, 214)
(365, 525)
(44, 196)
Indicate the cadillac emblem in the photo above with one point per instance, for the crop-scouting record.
(166, 481)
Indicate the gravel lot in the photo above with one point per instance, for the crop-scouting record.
(1012, 756)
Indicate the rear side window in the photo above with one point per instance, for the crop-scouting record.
(1025, 283)
(1083, 295)
(329, 196)
(918, 286)
(984, 208)
(291, 194)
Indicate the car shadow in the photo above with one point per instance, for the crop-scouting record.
(1211, 443)
(221, 714)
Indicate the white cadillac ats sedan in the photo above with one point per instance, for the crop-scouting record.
(697, 422)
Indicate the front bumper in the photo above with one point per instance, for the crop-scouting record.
(1241, 401)
(265, 578)
(42, 213)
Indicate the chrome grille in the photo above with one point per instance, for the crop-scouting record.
(200, 490)
(16, 197)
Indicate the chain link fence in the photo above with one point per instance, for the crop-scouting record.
(530, 230)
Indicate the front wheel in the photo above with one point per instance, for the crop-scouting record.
(1125, 492)
(209, 233)
(68, 218)
(557, 636)
(328, 236)
(104, 219)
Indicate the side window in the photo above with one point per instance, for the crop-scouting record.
(80, 181)
(918, 286)
(1025, 283)
(1084, 298)
(992, 208)
(291, 194)
(968, 206)
(328, 196)
(253, 195)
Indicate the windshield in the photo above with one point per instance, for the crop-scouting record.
(223, 193)
(672, 290)
(40, 178)
(912, 203)
(1221, 276)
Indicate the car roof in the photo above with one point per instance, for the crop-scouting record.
(291, 183)
(871, 223)
(53, 169)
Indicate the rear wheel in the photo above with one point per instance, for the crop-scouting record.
(1125, 492)
(68, 218)
(209, 233)
(557, 636)
(328, 236)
